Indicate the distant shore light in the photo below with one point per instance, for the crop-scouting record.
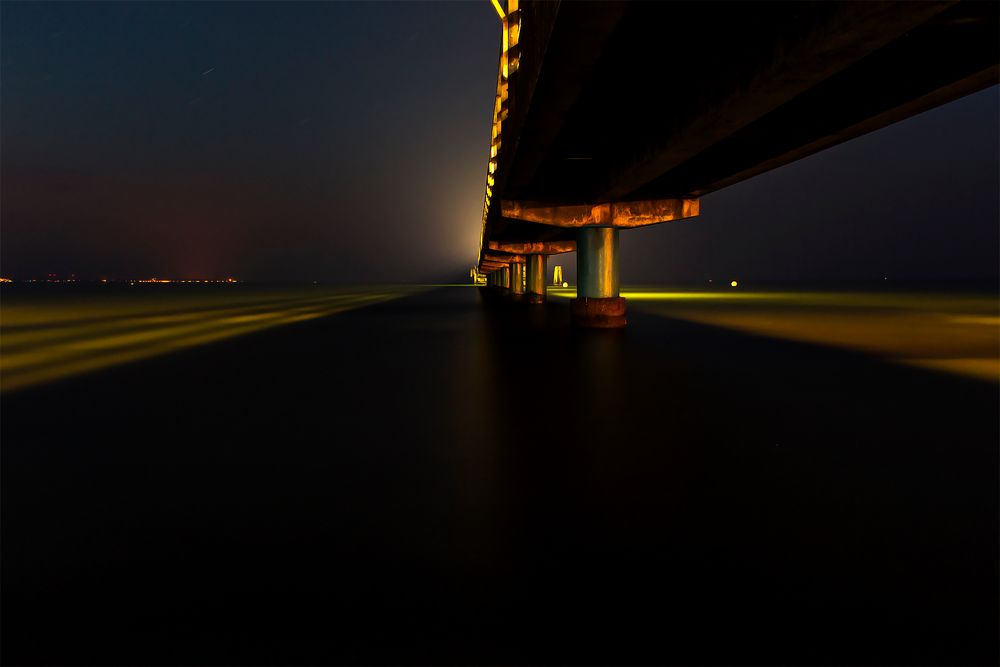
(734, 283)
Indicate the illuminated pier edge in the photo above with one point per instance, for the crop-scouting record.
(510, 27)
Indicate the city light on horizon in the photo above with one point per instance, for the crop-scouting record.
(73, 278)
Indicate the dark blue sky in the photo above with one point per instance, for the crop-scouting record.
(918, 200)
(348, 142)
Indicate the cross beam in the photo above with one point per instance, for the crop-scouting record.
(536, 248)
(609, 214)
(501, 258)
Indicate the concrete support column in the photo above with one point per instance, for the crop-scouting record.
(597, 303)
(517, 278)
(505, 278)
(536, 278)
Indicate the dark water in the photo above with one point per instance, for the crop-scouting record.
(447, 478)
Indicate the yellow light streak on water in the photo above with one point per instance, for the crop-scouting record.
(956, 333)
(53, 337)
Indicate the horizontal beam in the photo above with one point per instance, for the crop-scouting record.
(505, 259)
(614, 214)
(536, 248)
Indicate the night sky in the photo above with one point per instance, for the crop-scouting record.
(348, 142)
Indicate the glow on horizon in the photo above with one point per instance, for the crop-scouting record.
(175, 280)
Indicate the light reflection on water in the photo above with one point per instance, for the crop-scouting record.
(953, 332)
(463, 469)
(49, 333)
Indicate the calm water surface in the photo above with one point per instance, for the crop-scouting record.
(448, 477)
